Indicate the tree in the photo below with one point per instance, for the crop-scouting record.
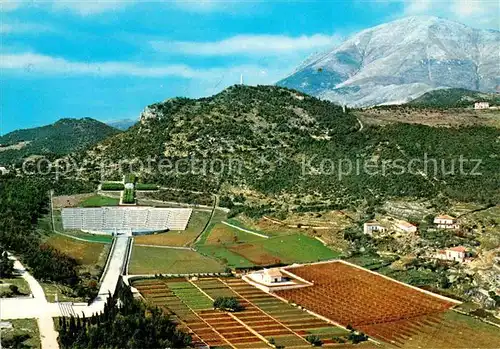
(314, 340)
(227, 303)
(6, 265)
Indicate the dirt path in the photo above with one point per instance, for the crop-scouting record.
(244, 230)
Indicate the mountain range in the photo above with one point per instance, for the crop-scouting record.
(60, 138)
(398, 61)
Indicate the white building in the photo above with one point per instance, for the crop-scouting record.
(456, 254)
(406, 227)
(272, 275)
(371, 226)
(3, 170)
(446, 222)
(481, 105)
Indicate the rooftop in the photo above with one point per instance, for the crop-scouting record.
(273, 272)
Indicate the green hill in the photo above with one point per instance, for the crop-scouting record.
(454, 98)
(280, 147)
(63, 137)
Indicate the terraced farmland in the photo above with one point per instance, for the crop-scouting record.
(264, 317)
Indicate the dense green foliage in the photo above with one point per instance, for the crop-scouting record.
(22, 202)
(6, 264)
(128, 196)
(454, 98)
(112, 186)
(145, 186)
(287, 146)
(63, 137)
(182, 196)
(227, 303)
(125, 324)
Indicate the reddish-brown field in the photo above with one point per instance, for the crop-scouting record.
(381, 307)
(255, 254)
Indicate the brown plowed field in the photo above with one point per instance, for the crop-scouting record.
(382, 308)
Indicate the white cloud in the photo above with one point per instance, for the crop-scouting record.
(81, 7)
(9, 5)
(91, 7)
(41, 65)
(27, 28)
(248, 45)
(475, 13)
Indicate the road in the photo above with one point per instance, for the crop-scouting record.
(37, 306)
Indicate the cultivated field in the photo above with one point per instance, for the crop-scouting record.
(158, 260)
(382, 308)
(239, 249)
(264, 318)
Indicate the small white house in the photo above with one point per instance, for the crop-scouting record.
(481, 105)
(272, 275)
(406, 227)
(456, 254)
(446, 222)
(3, 170)
(371, 226)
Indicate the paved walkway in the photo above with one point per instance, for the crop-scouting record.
(37, 307)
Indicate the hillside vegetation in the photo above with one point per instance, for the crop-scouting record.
(63, 137)
(454, 98)
(292, 147)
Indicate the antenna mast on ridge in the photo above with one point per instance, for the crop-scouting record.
(241, 79)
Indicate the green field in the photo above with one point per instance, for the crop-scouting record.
(22, 327)
(238, 249)
(190, 295)
(98, 201)
(157, 260)
(225, 256)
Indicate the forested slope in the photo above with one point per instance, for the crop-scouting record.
(295, 149)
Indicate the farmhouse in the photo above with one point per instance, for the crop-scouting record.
(3, 170)
(272, 275)
(456, 254)
(446, 222)
(406, 227)
(371, 226)
(481, 105)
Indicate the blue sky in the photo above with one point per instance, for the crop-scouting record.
(109, 59)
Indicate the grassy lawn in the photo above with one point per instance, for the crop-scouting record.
(23, 327)
(156, 260)
(225, 256)
(298, 248)
(98, 201)
(18, 281)
(239, 249)
(224, 234)
(85, 253)
(196, 224)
